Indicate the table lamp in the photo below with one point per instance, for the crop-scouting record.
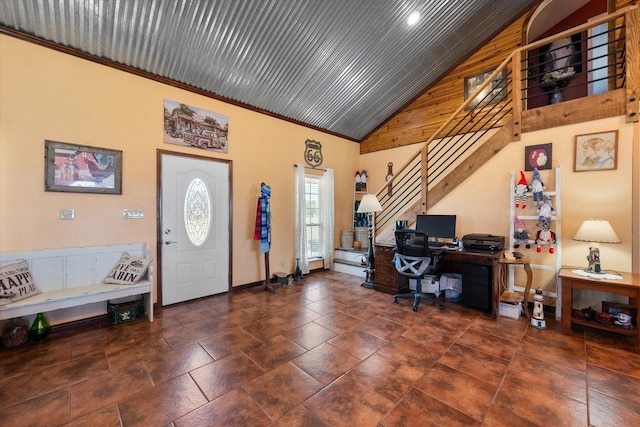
(369, 204)
(595, 231)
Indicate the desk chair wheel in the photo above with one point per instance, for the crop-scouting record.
(395, 299)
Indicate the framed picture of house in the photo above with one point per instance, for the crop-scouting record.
(82, 169)
(596, 151)
(537, 156)
(492, 93)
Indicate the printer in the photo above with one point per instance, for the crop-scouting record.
(483, 242)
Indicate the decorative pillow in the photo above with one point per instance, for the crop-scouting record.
(16, 283)
(128, 270)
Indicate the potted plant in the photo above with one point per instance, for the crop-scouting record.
(553, 81)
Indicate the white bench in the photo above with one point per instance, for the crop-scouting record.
(71, 282)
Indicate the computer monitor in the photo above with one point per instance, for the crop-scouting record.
(437, 226)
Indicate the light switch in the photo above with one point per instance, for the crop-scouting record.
(133, 213)
(67, 214)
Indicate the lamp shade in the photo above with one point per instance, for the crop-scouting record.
(369, 203)
(597, 231)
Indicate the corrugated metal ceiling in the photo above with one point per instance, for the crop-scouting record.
(345, 66)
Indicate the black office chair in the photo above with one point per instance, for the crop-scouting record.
(413, 260)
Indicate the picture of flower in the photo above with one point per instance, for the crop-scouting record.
(556, 79)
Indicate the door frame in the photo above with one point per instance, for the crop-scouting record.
(159, 238)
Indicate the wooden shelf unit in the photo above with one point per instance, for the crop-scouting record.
(550, 263)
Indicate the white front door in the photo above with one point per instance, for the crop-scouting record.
(194, 227)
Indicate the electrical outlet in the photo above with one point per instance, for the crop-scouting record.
(133, 213)
(67, 214)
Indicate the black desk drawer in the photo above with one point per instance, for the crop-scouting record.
(480, 270)
(476, 286)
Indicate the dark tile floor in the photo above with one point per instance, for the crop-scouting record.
(323, 353)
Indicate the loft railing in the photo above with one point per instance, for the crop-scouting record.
(593, 57)
(599, 53)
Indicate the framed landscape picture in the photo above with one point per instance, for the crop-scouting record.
(492, 93)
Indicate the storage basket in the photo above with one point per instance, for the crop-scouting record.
(430, 284)
(362, 236)
(125, 312)
(451, 284)
(511, 310)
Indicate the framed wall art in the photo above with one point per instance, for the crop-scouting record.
(537, 156)
(191, 126)
(82, 169)
(596, 151)
(492, 93)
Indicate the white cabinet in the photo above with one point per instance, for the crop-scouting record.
(544, 257)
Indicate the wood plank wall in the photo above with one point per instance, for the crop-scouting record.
(422, 117)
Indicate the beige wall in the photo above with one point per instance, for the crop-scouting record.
(47, 95)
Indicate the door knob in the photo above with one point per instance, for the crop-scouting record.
(168, 242)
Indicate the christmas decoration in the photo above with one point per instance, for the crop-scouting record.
(537, 187)
(521, 191)
(520, 234)
(545, 235)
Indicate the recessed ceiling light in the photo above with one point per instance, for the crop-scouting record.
(413, 18)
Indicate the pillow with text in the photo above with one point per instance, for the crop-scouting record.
(16, 283)
(128, 270)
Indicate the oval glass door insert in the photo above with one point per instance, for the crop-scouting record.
(197, 212)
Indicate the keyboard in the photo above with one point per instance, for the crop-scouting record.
(443, 245)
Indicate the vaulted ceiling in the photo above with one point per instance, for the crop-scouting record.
(343, 66)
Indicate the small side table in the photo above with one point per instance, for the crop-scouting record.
(524, 262)
(628, 285)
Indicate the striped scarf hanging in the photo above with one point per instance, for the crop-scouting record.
(263, 219)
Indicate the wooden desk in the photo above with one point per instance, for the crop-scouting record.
(628, 286)
(386, 277)
(388, 280)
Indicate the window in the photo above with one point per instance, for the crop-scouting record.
(598, 58)
(197, 212)
(312, 221)
(314, 217)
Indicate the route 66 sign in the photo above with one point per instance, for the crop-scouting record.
(313, 153)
